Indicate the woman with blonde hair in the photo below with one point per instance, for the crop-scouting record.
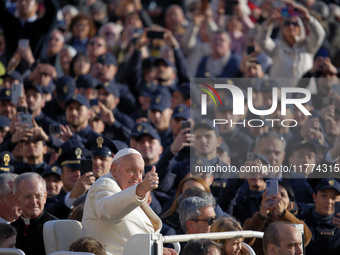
(232, 246)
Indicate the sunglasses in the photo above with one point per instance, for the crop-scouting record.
(288, 23)
(210, 220)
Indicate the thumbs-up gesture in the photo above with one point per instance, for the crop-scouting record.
(149, 183)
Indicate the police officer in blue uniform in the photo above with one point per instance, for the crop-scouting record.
(159, 115)
(55, 109)
(75, 184)
(77, 117)
(117, 123)
(103, 150)
(323, 219)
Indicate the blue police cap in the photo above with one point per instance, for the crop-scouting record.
(37, 88)
(303, 144)
(164, 61)
(14, 75)
(6, 161)
(144, 128)
(328, 183)
(65, 87)
(107, 59)
(55, 169)
(181, 111)
(208, 124)
(86, 81)
(110, 88)
(103, 146)
(148, 89)
(320, 143)
(5, 95)
(79, 99)
(4, 121)
(160, 102)
(71, 152)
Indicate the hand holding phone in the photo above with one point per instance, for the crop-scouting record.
(17, 91)
(272, 186)
(151, 34)
(85, 166)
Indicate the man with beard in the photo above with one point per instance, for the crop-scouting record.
(78, 114)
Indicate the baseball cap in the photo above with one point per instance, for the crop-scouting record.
(107, 59)
(65, 87)
(328, 183)
(38, 88)
(110, 88)
(206, 123)
(303, 144)
(86, 81)
(160, 103)
(144, 128)
(14, 75)
(52, 170)
(165, 61)
(181, 111)
(79, 99)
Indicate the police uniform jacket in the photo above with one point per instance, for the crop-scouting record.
(112, 215)
(325, 235)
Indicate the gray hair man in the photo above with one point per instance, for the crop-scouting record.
(9, 210)
(196, 215)
(30, 195)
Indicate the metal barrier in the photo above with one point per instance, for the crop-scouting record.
(152, 244)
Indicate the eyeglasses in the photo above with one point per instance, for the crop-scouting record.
(288, 23)
(210, 220)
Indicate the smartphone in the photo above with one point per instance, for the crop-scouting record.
(273, 187)
(85, 166)
(155, 34)
(250, 50)
(229, 6)
(23, 43)
(17, 90)
(22, 109)
(185, 124)
(26, 119)
(142, 113)
(336, 209)
(93, 102)
(54, 129)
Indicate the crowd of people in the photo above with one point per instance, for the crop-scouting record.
(102, 121)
